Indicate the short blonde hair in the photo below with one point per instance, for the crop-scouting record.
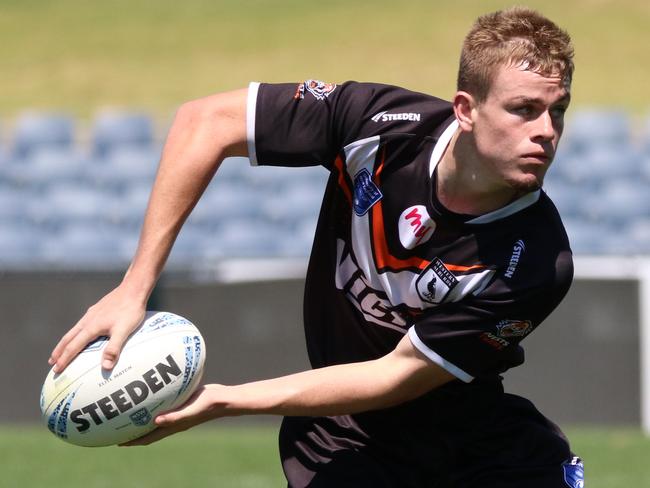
(517, 36)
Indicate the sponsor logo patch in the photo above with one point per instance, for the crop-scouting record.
(435, 282)
(415, 226)
(386, 117)
(517, 251)
(140, 417)
(574, 473)
(514, 328)
(495, 341)
(319, 89)
(366, 193)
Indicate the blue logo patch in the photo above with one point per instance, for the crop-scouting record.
(96, 345)
(366, 193)
(574, 473)
(140, 417)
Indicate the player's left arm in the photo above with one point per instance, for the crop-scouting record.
(402, 375)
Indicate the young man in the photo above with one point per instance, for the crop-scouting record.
(436, 253)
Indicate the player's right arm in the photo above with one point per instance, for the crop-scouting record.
(203, 133)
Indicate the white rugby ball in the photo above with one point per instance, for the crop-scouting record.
(158, 369)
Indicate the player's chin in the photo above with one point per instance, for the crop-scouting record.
(527, 182)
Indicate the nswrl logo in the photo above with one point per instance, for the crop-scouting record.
(140, 417)
(366, 193)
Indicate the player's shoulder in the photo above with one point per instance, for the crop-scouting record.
(389, 109)
(544, 240)
(392, 99)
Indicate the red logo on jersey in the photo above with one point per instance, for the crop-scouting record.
(415, 226)
(495, 341)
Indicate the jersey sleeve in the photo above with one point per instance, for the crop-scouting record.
(480, 336)
(309, 123)
(302, 124)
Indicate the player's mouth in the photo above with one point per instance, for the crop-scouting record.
(540, 157)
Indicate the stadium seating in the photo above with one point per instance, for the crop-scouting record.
(117, 129)
(71, 201)
(41, 130)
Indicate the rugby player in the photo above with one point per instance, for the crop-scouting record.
(435, 254)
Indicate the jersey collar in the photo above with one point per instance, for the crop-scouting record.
(513, 207)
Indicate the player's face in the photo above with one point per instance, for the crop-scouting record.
(518, 126)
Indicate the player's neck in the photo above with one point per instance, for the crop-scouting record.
(462, 184)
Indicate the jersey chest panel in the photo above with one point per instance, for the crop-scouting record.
(398, 257)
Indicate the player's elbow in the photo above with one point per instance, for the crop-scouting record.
(217, 119)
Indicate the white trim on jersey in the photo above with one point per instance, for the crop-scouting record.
(441, 145)
(436, 358)
(251, 105)
(361, 155)
(526, 201)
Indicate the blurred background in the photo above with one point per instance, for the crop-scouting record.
(89, 90)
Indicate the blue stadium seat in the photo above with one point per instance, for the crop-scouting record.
(42, 130)
(223, 202)
(124, 167)
(566, 196)
(191, 245)
(128, 208)
(233, 170)
(294, 204)
(639, 234)
(278, 179)
(619, 203)
(118, 129)
(66, 204)
(586, 238)
(247, 238)
(645, 136)
(598, 164)
(645, 168)
(81, 246)
(19, 246)
(45, 168)
(297, 242)
(13, 205)
(597, 127)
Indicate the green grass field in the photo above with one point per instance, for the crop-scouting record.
(80, 55)
(246, 457)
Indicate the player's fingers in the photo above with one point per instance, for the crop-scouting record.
(80, 340)
(63, 342)
(114, 347)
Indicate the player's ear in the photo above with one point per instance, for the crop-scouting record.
(464, 104)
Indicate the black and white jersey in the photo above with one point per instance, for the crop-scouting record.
(388, 259)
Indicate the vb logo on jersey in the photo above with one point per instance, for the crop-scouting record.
(435, 282)
(415, 226)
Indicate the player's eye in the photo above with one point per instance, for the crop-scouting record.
(558, 112)
(523, 110)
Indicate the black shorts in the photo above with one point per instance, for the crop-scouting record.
(495, 441)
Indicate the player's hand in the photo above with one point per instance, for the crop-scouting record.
(200, 408)
(116, 315)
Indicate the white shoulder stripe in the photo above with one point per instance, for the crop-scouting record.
(251, 105)
(526, 201)
(436, 358)
(361, 142)
(441, 145)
